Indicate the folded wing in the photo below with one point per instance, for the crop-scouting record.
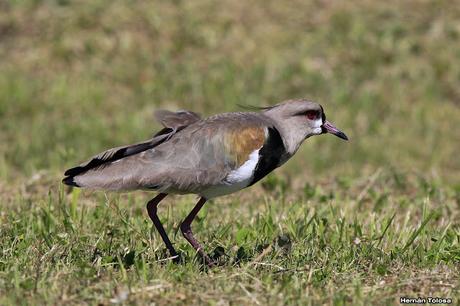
(172, 122)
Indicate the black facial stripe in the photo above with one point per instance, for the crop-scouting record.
(269, 155)
(302, 113)
(323, 114)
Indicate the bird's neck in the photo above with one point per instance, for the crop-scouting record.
(291, 135)
(292, 141)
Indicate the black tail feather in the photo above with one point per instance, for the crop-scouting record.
(108, 157)
(178, 120)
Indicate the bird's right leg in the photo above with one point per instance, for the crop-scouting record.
(188, 234)
(152, 210)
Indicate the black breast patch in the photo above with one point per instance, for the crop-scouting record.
(269, 155)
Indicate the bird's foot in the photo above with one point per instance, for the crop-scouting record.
(206, 260)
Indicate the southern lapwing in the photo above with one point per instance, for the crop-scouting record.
(209, 157)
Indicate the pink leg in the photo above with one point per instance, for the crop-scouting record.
(152, 206)
(188, 234)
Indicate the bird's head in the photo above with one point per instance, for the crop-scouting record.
(300, 119)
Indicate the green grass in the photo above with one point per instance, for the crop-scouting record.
(342, 223)
(324, 245)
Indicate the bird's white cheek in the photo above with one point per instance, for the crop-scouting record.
(318, 123)
(318, 130)
(317, 127)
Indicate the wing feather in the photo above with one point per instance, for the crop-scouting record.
(173, 122)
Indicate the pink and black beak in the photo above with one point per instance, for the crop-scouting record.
(328, 127)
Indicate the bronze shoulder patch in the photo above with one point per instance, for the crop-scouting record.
(240, 143)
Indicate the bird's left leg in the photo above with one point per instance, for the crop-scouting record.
(152, 207)
(188, 234)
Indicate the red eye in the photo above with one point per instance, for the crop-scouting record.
(312, 114)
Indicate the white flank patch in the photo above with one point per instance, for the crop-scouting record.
(245, 172)
(235, 180)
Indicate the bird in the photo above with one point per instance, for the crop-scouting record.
(209, 157)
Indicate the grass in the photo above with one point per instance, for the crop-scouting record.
(342, 223)
(321, 246)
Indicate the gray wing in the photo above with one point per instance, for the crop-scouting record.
(172, 122)
(204, 153)
(200, 155)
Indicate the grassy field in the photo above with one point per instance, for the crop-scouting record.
(362, 222)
